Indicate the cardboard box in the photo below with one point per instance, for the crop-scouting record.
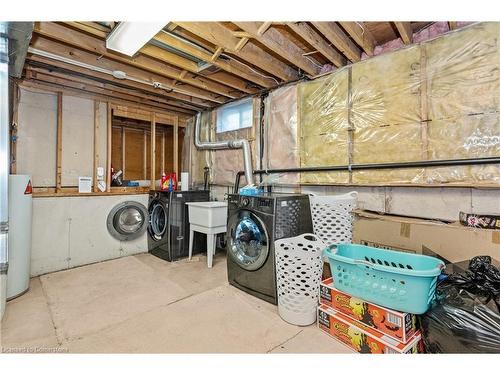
(398, 325)
(451, 242)
(361, 338)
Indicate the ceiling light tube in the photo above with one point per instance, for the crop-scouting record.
(130, 37)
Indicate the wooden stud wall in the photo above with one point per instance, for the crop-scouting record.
(59, 142)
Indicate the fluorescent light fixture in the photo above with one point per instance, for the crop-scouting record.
(129, 37)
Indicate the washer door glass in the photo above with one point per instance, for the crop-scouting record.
(127, 220)
(157, 220)
(248, 242)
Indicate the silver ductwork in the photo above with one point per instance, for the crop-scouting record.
(243, 144)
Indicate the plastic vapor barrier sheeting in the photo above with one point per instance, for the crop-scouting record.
(281, 136)
(436, 100)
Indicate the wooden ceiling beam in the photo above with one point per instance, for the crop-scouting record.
(223, 78)
(334, 34)
(95, 45)
(229, 66)
(219, 35)
(91, 59)
(405, 31)
(93, 88)
(307, 33)
(132, 85)
(280, 45)
(111, 87)
(46, 86)
(88, 27)
(361, 35)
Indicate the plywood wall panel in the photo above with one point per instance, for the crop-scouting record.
(134, 155)
(116, 149)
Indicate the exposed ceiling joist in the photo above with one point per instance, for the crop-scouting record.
(280, 45)
(361, 35)
(95, 45)
(133, 85)
(405, 31)
(95, 87)
(218, 35)
(131, 71)
(61, 87)
(34, 67)
(339, 39)
(230, 66)
(307, 33)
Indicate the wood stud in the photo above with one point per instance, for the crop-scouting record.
(59, 142)
(153, 150)
(405, 31)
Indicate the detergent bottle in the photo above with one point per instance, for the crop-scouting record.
(163, 181)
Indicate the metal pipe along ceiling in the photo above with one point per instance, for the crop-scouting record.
(224, 145)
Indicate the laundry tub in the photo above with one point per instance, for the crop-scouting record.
(209, 218)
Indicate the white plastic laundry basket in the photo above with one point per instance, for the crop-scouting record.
(298, 274)
(332, 217)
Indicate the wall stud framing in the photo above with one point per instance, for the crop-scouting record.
(97, 156)
(153, 150)
(108, 148)
(59, 142)
(176, 147)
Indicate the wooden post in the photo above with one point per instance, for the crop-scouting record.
(123, 152)
(162, 152)
(153, 150)
(59, 142)
(176, 147)
(145, 156)
(97, 156)
(109, 144)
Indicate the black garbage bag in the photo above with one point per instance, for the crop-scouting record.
(465, 317)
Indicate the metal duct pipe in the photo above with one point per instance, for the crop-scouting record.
(225, 145)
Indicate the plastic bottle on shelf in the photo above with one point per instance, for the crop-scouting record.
(163, 181)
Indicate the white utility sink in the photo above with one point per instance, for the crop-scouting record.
(209, 218)
(208, 214)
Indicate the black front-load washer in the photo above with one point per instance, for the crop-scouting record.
(168, 229)
(254, 223)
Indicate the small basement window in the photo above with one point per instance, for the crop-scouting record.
(235, 116)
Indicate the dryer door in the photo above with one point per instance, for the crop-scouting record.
(127, 220)
(248, 240)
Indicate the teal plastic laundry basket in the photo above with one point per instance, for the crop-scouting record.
(400, 281)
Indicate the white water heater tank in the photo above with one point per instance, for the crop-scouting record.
(20, 214)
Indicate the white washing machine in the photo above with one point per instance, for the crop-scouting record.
(20, 216)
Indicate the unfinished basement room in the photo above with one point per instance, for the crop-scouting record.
(324, 184)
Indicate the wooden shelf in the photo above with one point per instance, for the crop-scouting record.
(73, 192)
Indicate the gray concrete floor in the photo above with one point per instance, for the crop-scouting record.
(141, 304)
